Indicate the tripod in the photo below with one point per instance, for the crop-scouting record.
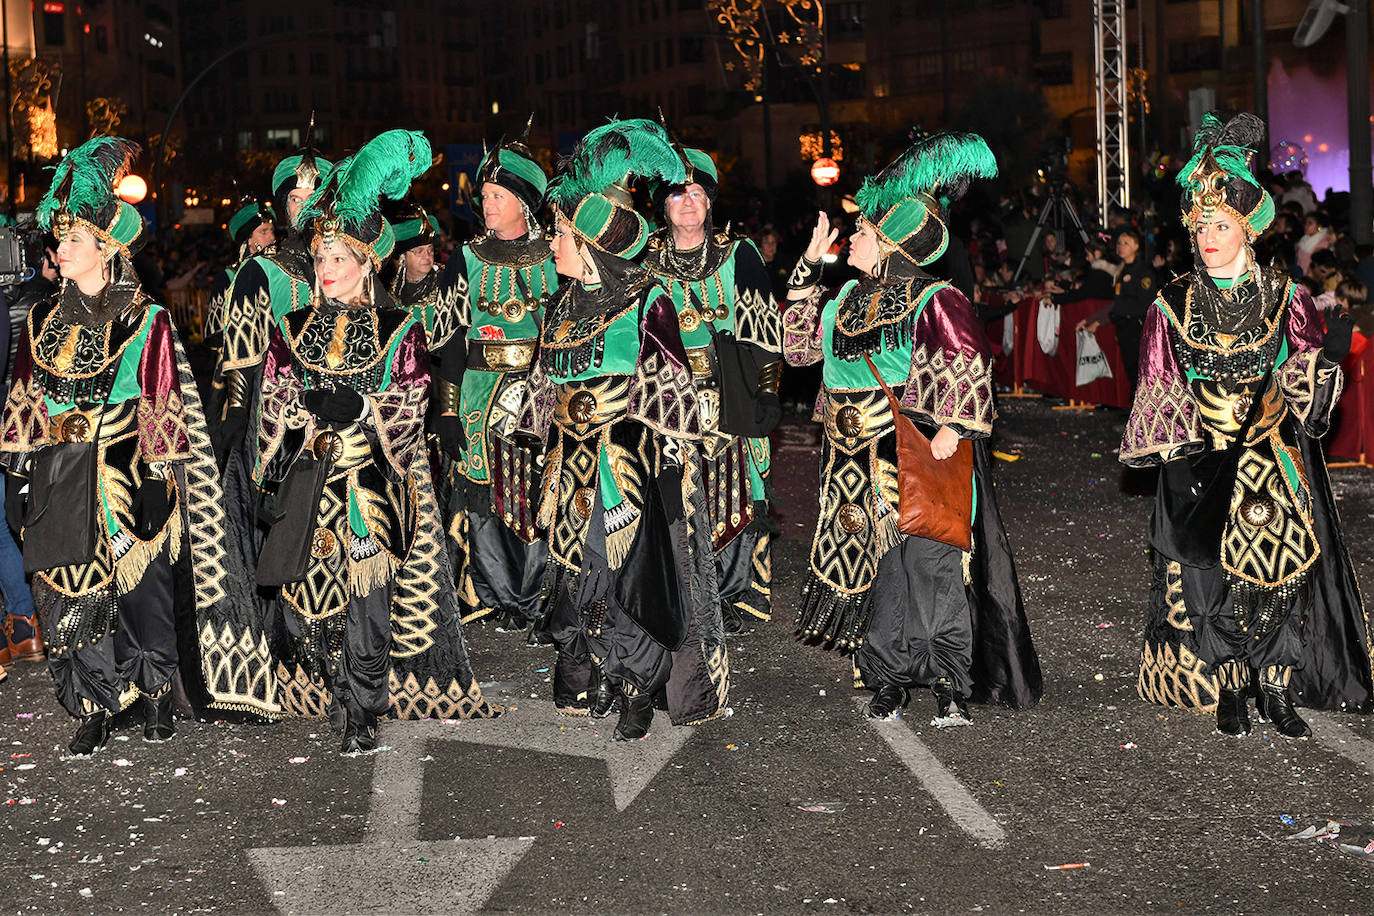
(1057, 203)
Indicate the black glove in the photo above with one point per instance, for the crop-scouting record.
(229, 432)
(452, 437)
(152, 507)
(767, 411)
(342, 405)
(1336, 343)
(15, 501)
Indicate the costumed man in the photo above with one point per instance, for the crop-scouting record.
(731, 328)
(252, 227)
(631, 601)
(356, 547)
(415, 285)
(1253, 589)
(917, 611)
(265, 288)
(491, 307)
(112, 479)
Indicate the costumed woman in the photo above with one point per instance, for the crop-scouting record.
(356, 546)
(112, 479)
(492, 304)
(916, 612)
(1253, 590)
(730, 326)
(632, 603)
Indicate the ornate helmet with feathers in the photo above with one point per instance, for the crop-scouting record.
(905, 202)
(592, 191)
(413, 226)
(302, 171)
(347, 205)
(82, 195)
(1219, 179)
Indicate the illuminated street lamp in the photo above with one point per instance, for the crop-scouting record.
(825, 171)
(131, 189)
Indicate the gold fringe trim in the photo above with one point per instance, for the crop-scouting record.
(365, 576)
(618, 543)
(129, 569)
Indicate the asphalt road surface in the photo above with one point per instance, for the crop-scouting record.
(795, 803)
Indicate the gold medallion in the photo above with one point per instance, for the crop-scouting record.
(1258, 511)
(513, 310)
(849, 421)
(689, 320)
(76, 427)
(583, 500)
(323, 543)
(852, 518)
(329, 446)
(582, 407)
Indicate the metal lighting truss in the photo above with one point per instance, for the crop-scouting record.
(1110, 79)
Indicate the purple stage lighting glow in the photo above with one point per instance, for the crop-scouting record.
(1307, 113)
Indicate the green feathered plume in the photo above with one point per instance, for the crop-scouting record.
(1229, 137)
(386, 166)
(83, 183)
(611, 152)
(944, 163)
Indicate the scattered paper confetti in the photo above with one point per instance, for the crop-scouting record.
(299, 759)
(179, 771)
(121, 762)
(278, 802)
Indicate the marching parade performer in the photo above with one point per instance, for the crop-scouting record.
(356, 548)
(631, 599)
(112, 478)
(1253, 588)
(730, 327)
(265, 288)
(415, 286)
(950, 617)
(492, 303)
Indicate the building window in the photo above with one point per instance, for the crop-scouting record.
(844, 21)
(243, 140)
(1197, 54)
(102, 39)
(54, 29)
(283, 138)
(691, 50)
(1055, 69)
(319, 63)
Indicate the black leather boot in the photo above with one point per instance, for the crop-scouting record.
(91, 735)
(157, 717)
(603, 694)
(636, 713)
(360, 732)
(1233, 712)
(571, 685)
(887, 700)
(949, 709)
(1276, 706)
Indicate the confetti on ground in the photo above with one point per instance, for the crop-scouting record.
(1005, 456)
(23, 715)
(179, 771)
(1104, 625)
(1128, 746)
(121, 762)
(26, 766)
(278, 802)
(299, 759)
(1068, 867)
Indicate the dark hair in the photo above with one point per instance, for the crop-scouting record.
(1353, 292)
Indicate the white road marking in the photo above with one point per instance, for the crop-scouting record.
(1336, 737)
(392, 870)
(943, 785)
